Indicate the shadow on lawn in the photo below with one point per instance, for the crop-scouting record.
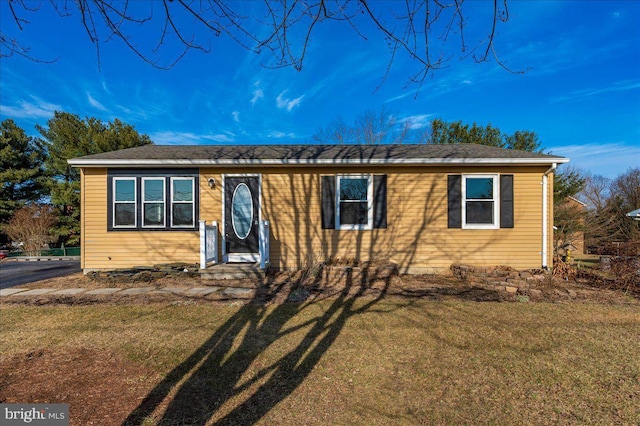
(196, 390)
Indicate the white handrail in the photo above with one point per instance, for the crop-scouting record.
(264, 244)
(208, 243)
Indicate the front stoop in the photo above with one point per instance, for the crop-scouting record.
(232, 271)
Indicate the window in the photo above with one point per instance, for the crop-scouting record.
(124, 203)
(480, 201)
(153, 204)
(480, 207)
(353, 202)
(354, 206)
(182, 204)
(152, 199)
(242, 211)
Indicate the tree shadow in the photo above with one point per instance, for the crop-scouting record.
(224, 381)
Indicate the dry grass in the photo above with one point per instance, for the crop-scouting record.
(337, 361)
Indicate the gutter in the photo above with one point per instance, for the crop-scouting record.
(80, 162)
(545, 214)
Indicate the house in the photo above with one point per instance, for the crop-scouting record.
(570, 235)
(423, 207)
(635, 215)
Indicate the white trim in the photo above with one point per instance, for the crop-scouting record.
(354, 227)
(192, 202)
(242, 257)
(577, 201)
(264, 244)
(79, 162)
(224, 220)
(239, 257)
(495, 200)
(134, 202)
(164, 205)
(208, 243)
(545, 214)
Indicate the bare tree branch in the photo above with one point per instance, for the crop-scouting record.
(15, 17)
(419, 29)
(10, 46)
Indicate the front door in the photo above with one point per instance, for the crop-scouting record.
(241, 215)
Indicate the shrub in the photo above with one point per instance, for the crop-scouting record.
(31, 226)
(626, 271)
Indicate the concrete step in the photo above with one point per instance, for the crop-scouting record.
(232, 271)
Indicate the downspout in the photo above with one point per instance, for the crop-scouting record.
(545, 214)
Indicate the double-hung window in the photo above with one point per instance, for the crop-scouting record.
(153, 202)
(480, 205)
(124, 202)
(182, 202)
(354, 202)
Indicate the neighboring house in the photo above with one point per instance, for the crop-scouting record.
(635, 215)
(573, 241)
(423, 207)
(577, 238)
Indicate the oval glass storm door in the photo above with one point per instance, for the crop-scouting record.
(242, 211)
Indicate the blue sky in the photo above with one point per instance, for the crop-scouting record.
(580, 91)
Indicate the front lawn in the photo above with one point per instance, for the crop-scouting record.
(338, 361)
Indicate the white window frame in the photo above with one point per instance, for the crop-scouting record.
(496, 202)
(192, 202)
(164, 201)
(134, 202)
(355, 227)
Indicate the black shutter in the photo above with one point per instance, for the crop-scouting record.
(380, 201)
(328, 202)
(506, 201)
(454, 196)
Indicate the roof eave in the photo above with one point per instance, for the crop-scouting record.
(578, 201)
(86, 163)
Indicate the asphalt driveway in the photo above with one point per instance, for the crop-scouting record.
(16, 273)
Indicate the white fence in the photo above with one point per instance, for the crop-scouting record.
(208, 243)
(264, 244)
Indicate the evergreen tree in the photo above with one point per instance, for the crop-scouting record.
(523, 140)
(443, 132)
(567, 182)
(21, 170)
(568, 216)
(68, 136)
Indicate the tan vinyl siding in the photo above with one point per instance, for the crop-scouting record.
(417, 237)
(121, 249)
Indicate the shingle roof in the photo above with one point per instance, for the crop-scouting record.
(180, 155)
